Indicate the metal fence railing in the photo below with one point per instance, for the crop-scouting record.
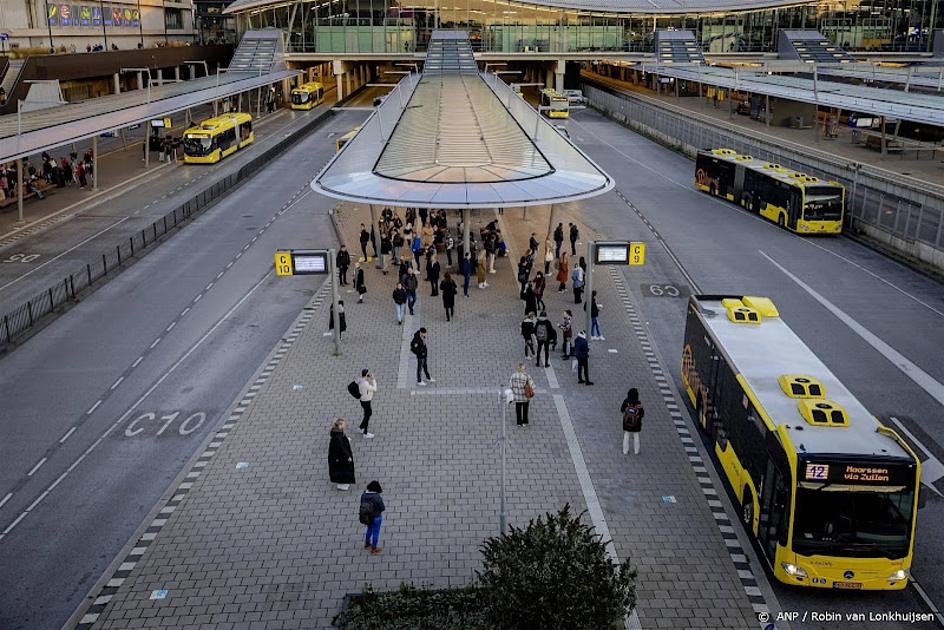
(913, 212)
(18, 321)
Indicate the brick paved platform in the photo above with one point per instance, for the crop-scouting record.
(256, 535)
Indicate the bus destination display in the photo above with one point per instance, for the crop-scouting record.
(855, 473)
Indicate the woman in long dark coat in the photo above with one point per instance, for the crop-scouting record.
(340, 457)
(449, 289)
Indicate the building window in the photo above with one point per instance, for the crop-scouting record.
(173, 18)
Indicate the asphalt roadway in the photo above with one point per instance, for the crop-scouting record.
(874, 322)
(110, 400)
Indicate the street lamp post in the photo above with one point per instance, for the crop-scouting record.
(101, 6)
(49, 26)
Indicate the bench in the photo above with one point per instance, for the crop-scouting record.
(41, 185)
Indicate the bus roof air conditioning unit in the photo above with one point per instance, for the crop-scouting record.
(764, 306)
(801, 386)
(823, 413)
(739, 313)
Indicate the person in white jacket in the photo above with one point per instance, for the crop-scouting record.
(368, 387)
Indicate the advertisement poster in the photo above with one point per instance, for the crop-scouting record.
(53, 14)
(65, 15)
(85, 16)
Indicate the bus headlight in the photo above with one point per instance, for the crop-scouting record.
(793, 570)
(898, 576)
(804, 227)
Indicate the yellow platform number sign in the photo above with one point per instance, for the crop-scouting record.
(283, 264)
(637, 254)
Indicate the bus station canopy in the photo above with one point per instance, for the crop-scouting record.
(42, 130)
(893, 104)
(454, 138)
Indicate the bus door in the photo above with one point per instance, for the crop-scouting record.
(738, 181)
(794, 206)
(774, 502)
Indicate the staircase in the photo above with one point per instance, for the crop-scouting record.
(11, 75)
(678, 47)
(449, 52)
(259, 52)
(810, 47)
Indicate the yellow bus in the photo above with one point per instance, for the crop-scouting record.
(558, 104)
(215, 138)
(340, 142)
(830, 494)
(307, 95)
(793, 200)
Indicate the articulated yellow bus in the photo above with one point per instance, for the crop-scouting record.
(340, 142)
(830, 494)
(558, 103)
(216, 138)
(307, 95)
(796, 201)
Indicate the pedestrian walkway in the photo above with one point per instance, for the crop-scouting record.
(253, 534)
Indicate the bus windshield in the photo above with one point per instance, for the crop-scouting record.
(299, 97)
(823, 203)
(197, 145)
(866, 522)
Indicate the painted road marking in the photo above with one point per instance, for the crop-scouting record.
(5, 499)
(924, 380)
(170, 327)
(137, 361)
(55, 258)
(117, 383)
(36, 467)
(66, 436)
(931, 469)
(94, 407)
(153, 345)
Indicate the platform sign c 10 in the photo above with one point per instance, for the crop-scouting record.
(301, 262)
(637, 254)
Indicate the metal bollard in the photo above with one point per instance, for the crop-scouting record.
(118, 250)
(29, 311)
(154, 227)
(104, 264)
(131, 241)
(72, 286)
(6, 325)
(88, 273)
(165, 224)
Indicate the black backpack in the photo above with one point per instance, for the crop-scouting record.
(354, 389)
(366, 512)
(632, 418)
(540, 331)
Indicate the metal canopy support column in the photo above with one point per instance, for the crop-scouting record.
(19, 190)
(333, 272)
(378, 264)
(94, 162)
(550, 223)
(767, 114)
(588, 286)
(466, 220)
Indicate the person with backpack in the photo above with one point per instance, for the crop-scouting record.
(410, 283)
(533, 244)
(342, 319)
(542, 332)
(523, 274)
(370, 514)
(522, 387)
(466, 268)
(490, 244)
(342, 261)
(566, 326)
(527, 331)
(558, 240)
(577, 277)
(364, 239)
(633, 414)
(449, 290)
(538, 286)
(397, 243)
(419, 349)
(367, 387)
(359, 285)
(563, 270)
(574, 235)
(582, 353)
(399, 300)
(340, 457)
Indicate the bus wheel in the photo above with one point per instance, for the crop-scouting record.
(747, 509)
(782, 221)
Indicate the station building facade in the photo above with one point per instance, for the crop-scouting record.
(562, 26)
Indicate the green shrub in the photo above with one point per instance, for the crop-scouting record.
(411, 608)
(554, 574)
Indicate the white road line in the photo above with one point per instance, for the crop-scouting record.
(171, 327)
(36, 467)
(924, 380)
(876, 276)
(94, 407)
(153, 345)
(55, 258)
(219, 275)
(208, 287)
(197, 299)
(66, 436)
(931, 469)
(185, 311)
(137, 361)
(145, 395)
(551, 378)
(594, 509)
(927, 600)
(117, 383)
(38, 500)
(5, 499)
